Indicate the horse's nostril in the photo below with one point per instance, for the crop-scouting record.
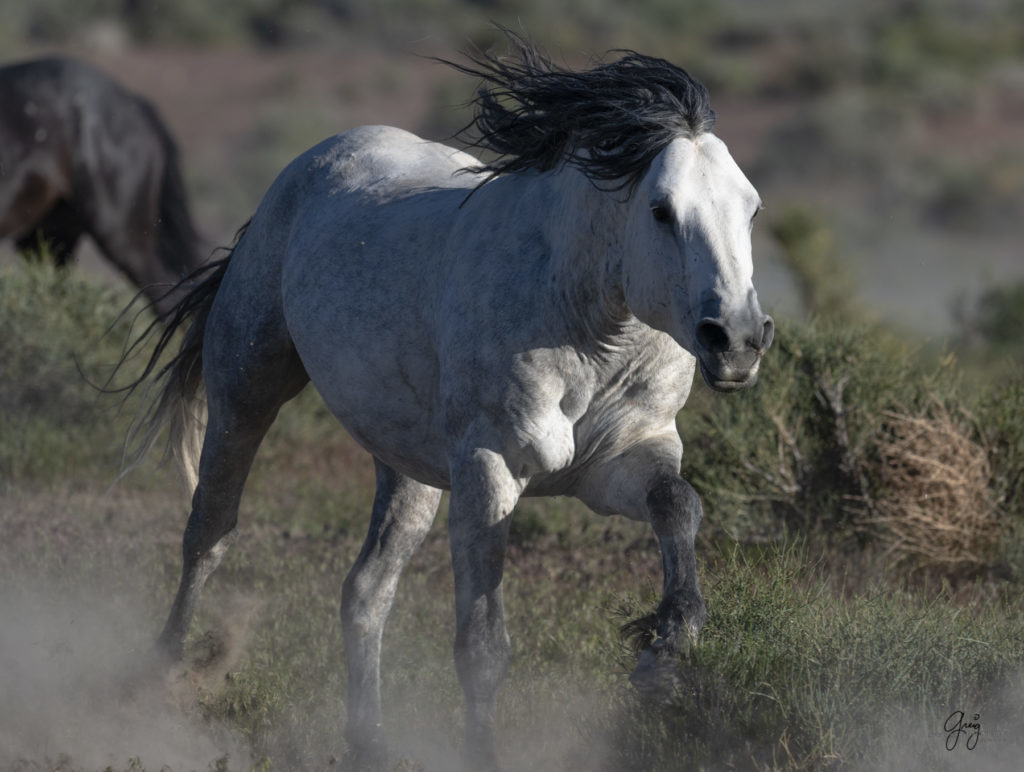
(767, 334)
(712, 337)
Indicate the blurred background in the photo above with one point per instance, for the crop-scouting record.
(885, 137)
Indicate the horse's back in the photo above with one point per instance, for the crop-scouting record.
(386, 161)
(357, 204)
(345, 257)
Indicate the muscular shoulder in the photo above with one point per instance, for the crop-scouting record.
(551, 410)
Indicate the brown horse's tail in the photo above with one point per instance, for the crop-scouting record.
(179, 402)
(177, 237)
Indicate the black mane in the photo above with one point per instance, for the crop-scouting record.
(609, 121)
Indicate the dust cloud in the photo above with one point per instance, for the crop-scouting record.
(80, 688)
(567, 731)
(543, 725)
(80, 691)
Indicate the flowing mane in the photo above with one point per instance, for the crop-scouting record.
(609, 121)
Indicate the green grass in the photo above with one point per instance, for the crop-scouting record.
(58, 331)
(788, 672)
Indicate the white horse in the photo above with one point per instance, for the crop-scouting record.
(528, 327)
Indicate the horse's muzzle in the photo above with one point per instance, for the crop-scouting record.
(730, 355)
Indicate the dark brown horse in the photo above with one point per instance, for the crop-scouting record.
(81, 155)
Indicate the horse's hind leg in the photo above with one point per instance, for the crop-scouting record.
(242, 403)
(403, 511)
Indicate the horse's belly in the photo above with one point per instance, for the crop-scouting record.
(399, 433)
(384, 393)
(358, 325)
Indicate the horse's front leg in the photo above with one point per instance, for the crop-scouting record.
(674, 510)
(483, 495)
(644, 484)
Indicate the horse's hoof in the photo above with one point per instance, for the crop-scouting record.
(657, 676)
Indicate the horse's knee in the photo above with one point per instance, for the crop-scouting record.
(365, 601)
(483, 642)
(671, 493)
(671, 499)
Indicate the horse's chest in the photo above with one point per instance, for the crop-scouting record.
(567, 432)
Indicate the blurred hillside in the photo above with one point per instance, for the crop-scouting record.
(897, 124)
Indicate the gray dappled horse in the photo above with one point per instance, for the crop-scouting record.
(528, 327)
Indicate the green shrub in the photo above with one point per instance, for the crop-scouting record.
(991, 330)
(58, 331)
(789, 453)
(852, 438)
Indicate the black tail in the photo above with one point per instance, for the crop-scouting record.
(180, 398)
(177, 238)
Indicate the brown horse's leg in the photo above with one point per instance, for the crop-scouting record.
(127, 237)
(126, 223)
(58, 232)
(26, 200)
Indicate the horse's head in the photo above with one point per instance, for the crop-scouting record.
(688, 266)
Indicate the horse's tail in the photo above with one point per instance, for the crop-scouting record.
(180, 399)
(177, 237)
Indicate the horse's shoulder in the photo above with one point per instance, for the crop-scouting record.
(554, 408)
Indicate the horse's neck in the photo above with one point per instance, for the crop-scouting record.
(585, 227)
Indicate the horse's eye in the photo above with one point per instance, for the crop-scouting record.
(661, 213)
